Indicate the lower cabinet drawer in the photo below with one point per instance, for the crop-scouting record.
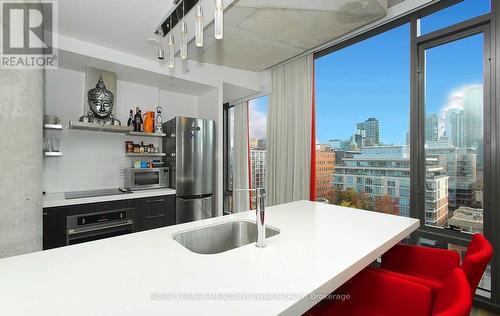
(155, 212)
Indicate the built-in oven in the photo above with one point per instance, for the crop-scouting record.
(150, 178)
(94, 226)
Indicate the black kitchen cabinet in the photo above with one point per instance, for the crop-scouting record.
(155, 212)
(147, 213)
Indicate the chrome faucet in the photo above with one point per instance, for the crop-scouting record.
(260, 212)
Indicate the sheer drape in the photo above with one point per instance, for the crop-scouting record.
(241, 200)
(289, 124)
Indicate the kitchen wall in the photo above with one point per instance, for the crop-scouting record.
(92, 160)
(218, 83)
(21, 160)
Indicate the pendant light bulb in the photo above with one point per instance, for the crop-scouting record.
(161, 54)
(198, 25)
(219, 19)
(171, 51)
(184, 40)
(184, 35)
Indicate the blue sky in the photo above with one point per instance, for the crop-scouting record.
(258, 116)
(371, 78)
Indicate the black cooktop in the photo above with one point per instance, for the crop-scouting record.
(94, 193)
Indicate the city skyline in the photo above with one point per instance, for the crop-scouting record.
(379, 67)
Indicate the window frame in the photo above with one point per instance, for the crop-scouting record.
(489, 25)
(226, 191)
(475, 26)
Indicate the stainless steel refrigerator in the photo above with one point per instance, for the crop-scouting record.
(189, 145)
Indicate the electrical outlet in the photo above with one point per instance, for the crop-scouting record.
(122, 172)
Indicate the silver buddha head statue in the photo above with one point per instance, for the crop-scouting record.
(100, 100)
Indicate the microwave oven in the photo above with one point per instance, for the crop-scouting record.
(146, 178)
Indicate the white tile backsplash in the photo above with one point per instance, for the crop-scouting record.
(92, 160)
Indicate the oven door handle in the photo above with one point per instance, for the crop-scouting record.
(100, 227)
(155, 201)
(155, 216)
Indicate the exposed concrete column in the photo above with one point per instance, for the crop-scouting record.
(21, 160)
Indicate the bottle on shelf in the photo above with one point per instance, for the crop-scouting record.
(137, 120)
(141, 125)
(129, 146)
(130, 118)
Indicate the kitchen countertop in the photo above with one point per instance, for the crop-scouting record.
(319, 247)
(58, 199)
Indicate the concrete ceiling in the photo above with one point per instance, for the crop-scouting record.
(117, 24)
(258, 33)
(262, 33)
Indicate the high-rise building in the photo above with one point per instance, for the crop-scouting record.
(431, 128)
(370, 132)
(460, 166)
(335, 144)
(436, 193)
(258, 163)
(385, 171)
(261, 144)
(325, 165)
(340, 155)
(358, 139)
(253, 143)
(454, 127)
(473, 119)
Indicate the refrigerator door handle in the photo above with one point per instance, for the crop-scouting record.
(200, 197)
(193, 209)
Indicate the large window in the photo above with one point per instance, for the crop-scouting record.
(257, 111)
(453, 99)
(462, 11)
(257, 119)
(452, 95)
(432, 72)
(362, 124)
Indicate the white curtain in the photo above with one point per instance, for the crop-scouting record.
(241, 199)
(289, 123)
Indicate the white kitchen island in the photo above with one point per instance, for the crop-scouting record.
(319, 247)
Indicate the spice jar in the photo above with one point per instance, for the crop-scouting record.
(129, 146)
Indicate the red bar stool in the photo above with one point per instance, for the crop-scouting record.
(431, 267)
(374, 292)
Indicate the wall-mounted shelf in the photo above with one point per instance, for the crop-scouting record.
(145, 155)
(53, 126)
(132, 133)
(100, 127)
(52, 154)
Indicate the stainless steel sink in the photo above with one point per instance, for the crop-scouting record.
(221, 237)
